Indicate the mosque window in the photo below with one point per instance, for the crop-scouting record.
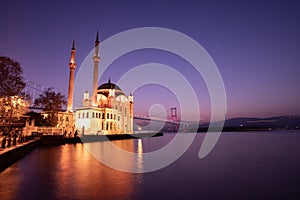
(87, 115)
(103, 116)
(107, 116)
(111, 116)
(83, 115)
(96, 115)
(93, 115)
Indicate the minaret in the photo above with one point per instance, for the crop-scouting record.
(72, 66)
(96, 59)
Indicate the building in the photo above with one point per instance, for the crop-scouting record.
(107, 111)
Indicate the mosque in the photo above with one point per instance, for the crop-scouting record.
(106, 111)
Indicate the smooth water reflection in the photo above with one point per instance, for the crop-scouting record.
(63, 172)
(261, 165)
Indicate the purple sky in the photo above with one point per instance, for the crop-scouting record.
(255, 45)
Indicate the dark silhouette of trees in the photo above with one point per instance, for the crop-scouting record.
(38, 118)
(11, 80)
(51, 103)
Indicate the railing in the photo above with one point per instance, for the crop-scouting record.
(49, 131)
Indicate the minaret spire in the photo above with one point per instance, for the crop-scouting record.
(73, 44)
(96, 59)
(72, 66)
(97, 37)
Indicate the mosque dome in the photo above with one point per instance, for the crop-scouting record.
(102, 89)
(108, 85)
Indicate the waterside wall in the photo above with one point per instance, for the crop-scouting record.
(10, 156)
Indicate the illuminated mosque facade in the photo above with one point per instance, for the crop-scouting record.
(107, 110)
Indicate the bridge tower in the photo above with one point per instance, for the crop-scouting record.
(174, 118)
(174, 114)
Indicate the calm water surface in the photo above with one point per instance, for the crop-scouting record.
(247, 165)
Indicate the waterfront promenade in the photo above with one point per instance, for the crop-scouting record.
(5, 146)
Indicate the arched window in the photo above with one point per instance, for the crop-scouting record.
(96, 115)
(78, 115)
(93, 115)
(83, 115)
(107, 116)
(87, 115)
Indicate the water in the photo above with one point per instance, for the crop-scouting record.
(247, 165)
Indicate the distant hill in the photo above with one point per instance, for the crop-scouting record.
(270, 123)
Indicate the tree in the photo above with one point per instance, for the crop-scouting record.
(11, 80)
(51, 103)
(13, 100)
